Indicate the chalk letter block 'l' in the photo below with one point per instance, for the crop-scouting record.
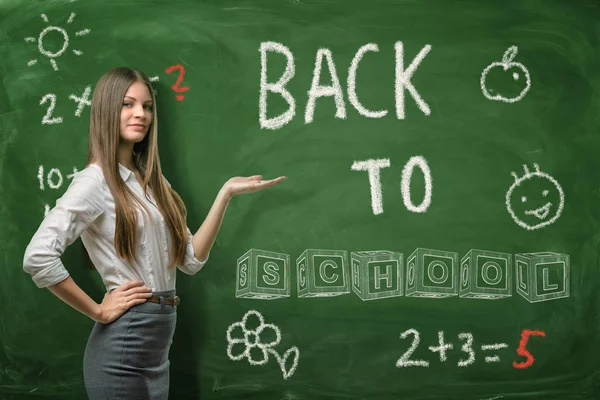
(543, 276)
(323, 273)
(432, 273)
(486, 275)
(377, 274)
(263, 274)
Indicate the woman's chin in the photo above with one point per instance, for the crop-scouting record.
(132, 138)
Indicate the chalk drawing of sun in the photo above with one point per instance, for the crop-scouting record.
(65, 41)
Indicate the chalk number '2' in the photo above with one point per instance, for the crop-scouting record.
(48, 117)
(404, 361)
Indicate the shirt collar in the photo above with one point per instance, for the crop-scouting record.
(125, 172)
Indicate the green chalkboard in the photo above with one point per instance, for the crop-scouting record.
(438, 234)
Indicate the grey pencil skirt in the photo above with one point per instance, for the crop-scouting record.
(129, 357)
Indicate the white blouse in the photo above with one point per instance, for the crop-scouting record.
(87, 209)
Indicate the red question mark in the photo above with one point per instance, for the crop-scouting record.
(175, 86)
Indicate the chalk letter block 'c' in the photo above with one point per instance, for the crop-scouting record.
(322, 273)
(263, 274)
(377, 274)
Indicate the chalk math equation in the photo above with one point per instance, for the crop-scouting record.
(467, 351)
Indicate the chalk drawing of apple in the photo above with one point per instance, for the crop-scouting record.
(535, 200)
(505, 80)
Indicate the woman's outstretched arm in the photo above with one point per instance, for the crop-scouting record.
(204, 238)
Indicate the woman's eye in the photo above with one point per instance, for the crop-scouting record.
(127, 104)
(148, 108)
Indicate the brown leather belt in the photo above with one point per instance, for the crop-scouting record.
(170, 301)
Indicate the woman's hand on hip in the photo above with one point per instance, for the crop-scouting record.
(122, 299)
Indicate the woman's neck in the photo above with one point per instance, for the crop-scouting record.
(125, 157)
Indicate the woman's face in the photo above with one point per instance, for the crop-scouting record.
(136, 113)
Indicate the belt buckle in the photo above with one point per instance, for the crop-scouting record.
(175, 301)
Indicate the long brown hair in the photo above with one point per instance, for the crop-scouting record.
(105, 116)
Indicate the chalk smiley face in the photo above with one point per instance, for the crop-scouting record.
(535, 200)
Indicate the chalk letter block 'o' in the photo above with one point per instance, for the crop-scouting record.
(432, 273)
(263, 274)
(377, 274)
(486, 275)
(322, 273)
(542, 276)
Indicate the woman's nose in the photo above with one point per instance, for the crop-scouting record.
(138, 111)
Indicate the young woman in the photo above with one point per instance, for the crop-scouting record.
(133, 226)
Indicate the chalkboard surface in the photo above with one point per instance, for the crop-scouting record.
(438, 234)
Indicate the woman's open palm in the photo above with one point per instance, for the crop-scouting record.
(248, 184)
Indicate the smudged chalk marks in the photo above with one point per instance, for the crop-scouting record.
(253, 339)
(152, 80)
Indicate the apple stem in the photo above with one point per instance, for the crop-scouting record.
(509, 55)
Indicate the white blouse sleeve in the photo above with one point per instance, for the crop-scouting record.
(78, 207)
(191, 264)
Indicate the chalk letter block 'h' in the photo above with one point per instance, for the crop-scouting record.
(263, 274)
(377, 274)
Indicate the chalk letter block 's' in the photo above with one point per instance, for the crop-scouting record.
(263, 274)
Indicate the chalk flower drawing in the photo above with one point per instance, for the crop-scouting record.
(65, 41)
(535, 200)
(507, 66)
(257, 343)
